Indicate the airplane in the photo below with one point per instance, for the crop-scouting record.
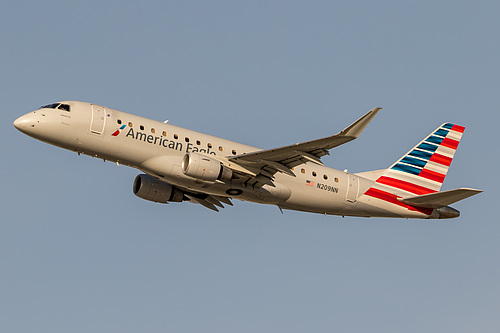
(180, 165)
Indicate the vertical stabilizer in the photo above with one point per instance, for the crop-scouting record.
(423, 169)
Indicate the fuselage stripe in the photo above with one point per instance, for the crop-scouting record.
(392, 198)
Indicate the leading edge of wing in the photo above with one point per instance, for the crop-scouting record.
(309, 151)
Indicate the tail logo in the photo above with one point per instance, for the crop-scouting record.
(432, 157)
(422, 170)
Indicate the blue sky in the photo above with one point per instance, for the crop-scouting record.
(79, 252)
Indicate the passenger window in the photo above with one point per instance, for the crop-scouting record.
(325, 177)
(221, 148)
(209, 145)
(164, 133)
(303, 170)
(198, 142)
(186, 139)
(130, 124)
(314, 173)
(141, 127)
(234, 152)
(119, 121)
(336, 180)
(176, 136)
(153, 130)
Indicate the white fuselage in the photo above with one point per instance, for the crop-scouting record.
(157, 149)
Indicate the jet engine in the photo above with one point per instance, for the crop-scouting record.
(152, 189)
(204, 167)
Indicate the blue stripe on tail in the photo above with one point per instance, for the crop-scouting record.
(414, 161)
(428, 147)
(421, 154)
(441, 132)
(406, 168)
(434, 139)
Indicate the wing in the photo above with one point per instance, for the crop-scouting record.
(268, 162)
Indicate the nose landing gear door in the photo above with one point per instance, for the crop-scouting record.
(98, 119)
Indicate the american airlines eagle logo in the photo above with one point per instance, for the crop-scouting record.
(118, 131)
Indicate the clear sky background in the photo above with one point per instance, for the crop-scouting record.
(80, 253)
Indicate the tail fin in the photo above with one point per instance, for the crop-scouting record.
(423, 169)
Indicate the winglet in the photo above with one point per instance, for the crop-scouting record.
(355, 129)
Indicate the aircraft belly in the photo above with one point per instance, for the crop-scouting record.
(235, 190)
(380, 208)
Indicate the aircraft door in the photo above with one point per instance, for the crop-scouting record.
(98, 119)
(352, 188)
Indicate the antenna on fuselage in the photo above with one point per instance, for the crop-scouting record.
(166, 121)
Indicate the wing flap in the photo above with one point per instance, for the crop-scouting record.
(204, 202)
(439, 199)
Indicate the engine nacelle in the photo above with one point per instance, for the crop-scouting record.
(204, 167)
(152, 189)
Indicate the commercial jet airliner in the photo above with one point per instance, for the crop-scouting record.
(183, 165)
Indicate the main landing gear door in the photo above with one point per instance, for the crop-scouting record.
(98, 119)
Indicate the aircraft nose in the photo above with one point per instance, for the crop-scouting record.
(18, 123)
(24, 123)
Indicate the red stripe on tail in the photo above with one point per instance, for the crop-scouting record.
(404, 185)
(432, 175)
(458, 128)
(441, 159)
(450, 143)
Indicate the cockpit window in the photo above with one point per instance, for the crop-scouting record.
(50, 106)
(64, 107)
(58, 106)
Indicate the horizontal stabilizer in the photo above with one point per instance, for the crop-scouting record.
(439, 199)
